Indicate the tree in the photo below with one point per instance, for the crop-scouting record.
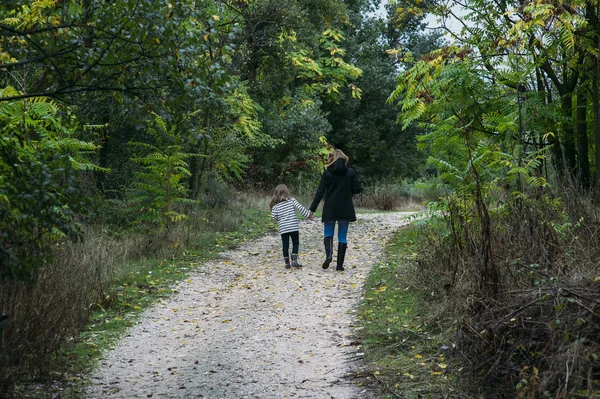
(366, 127)
(292, 56)
(60, 49)
(40, 198)
(551, 46)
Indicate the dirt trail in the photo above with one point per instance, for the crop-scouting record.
(244, 327)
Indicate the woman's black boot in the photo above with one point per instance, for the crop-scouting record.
(328, 242)
(340, 256)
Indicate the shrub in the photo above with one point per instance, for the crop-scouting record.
(538, 336)
(392, 196)
(49, 311)
(40, 196)
(217, 193)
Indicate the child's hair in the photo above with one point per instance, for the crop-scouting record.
(334, 156)
(280, 194)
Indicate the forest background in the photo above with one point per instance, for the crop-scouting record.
(138, 129)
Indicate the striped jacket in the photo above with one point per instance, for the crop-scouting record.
(285, 213)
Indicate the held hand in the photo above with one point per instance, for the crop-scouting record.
(311, 215)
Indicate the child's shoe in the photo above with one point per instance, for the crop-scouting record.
(295, 261)
(287, 263)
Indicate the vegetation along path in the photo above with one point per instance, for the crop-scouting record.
(244, 327)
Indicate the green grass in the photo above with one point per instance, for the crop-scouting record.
(146, 282)
(404, 351)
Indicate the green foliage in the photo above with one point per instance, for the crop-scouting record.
(40, 169)
(475, 137)
(330, 73)
(298, 125)
(237, 131)
(155, 198)
(503, 131)
(120, 46)
(376, 146)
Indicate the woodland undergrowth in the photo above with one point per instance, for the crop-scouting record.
(81, 302)
(535, 333)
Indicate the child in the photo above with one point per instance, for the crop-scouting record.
(283, 208)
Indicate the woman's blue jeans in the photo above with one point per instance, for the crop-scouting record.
(343, 226)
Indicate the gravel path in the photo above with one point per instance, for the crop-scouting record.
(244, 327)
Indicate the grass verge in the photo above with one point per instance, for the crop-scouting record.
(405, 352)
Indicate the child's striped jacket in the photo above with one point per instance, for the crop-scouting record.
(285, 213)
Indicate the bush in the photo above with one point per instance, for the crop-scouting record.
(537, 337)
(49, 311)
(217, 193)
(402, 195)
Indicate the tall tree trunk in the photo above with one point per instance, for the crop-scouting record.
(199, 149)
(569, 140)
(546, 95)
(592, 12)
(102, 159)
(596, 108)
(194, 171)
(582, 138)
(489, 279)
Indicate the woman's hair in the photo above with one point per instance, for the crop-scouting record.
(334, 156)
(280, 194)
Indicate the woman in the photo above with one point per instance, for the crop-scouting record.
(338, 184)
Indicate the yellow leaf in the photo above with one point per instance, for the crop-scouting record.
(417, 356)
(157, 40)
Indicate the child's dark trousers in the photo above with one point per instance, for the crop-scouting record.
(285, 239)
